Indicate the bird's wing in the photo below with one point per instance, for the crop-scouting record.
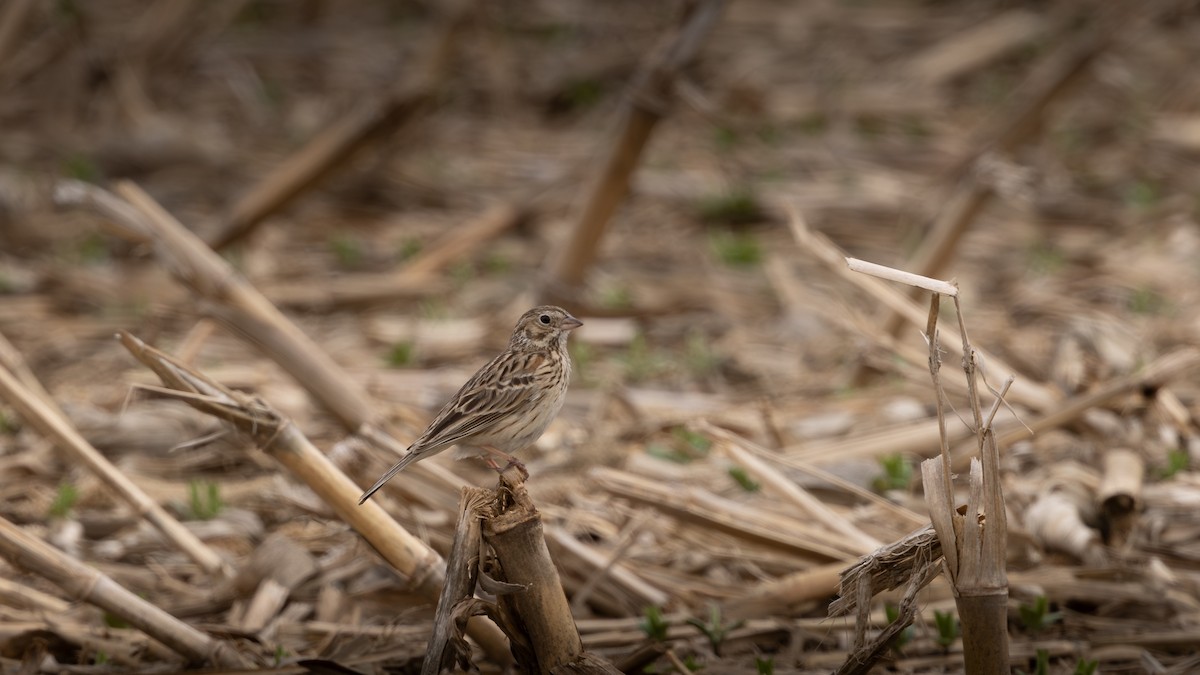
(498, 389)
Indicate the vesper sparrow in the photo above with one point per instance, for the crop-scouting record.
(508, 403)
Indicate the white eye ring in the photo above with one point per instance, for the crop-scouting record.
(545, 319)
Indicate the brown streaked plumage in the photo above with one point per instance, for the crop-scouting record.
(509, 402)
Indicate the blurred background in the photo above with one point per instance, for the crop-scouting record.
(403, 179)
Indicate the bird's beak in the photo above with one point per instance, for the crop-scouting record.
(571, 323)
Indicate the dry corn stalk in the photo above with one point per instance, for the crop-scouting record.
(280, 438)
(37, 408)
(646, 106)
(973, 542)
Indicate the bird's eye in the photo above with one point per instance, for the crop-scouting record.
(545, 319)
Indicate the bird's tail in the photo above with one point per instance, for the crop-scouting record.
(407, 459)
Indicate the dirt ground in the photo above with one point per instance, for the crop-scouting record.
(401, 180)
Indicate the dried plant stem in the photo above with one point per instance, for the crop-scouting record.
(245, 310)
(1056, 521)
(278, 437)
(1017, 123)
(862, 659)
(1025, 390)
(939, 394)
(646, 106)
(13, 594)
(85, 583)
(168, 27)
(971, 49)
(417, 278)
(541, 610)
(466, 238)
(854, 538)
(341, 140)
(11, 21)
(237, 304)
(45, 416)
(190, 347)
(1120, 492)
(705, 509)
(975, 549)
(572, 264)
(359, 290)
(1178, 364)
(462, 572)
(969, 367)
(937, 286)
(788, 593)
(409, 555)
(837, 481)
(905, 437)
(605, 569)
(1021, 119)
(12, 359)
(644, 655)
(277, 566)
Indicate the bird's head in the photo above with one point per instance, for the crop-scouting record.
(544, 327)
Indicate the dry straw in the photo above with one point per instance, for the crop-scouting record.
(973, 543)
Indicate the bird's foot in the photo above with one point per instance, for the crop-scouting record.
(514, 462)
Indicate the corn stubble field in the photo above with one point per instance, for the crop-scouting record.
(328, 215)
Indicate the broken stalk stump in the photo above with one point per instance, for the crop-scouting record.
(539, 613)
